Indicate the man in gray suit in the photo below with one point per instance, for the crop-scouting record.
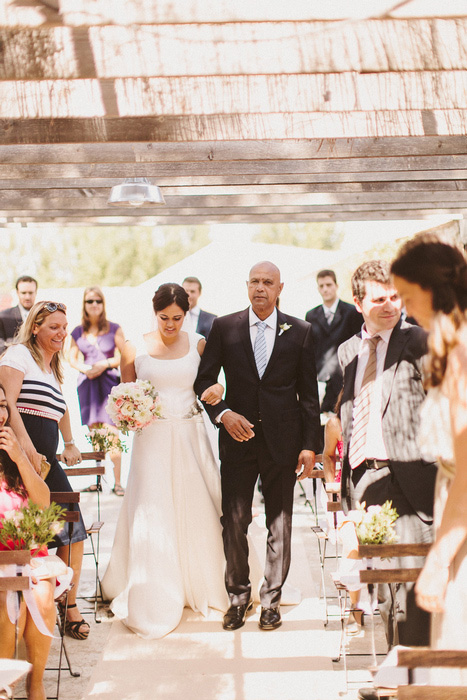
(381, 456)
(201, 320)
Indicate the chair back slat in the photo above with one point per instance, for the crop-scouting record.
(424, 657)
(389, 575)
(84, 471)
(14, 583)
(90, 456)
(410, 549)
(15, 556)
(64, 496)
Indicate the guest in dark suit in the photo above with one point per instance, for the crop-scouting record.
(12, 318)
(381, 456)
(269, 427)
(202, 320)
(332, 322)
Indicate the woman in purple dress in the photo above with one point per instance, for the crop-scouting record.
(100, 342)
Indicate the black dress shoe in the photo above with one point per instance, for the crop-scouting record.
(270, 619)
(235, 616)
(372, 694)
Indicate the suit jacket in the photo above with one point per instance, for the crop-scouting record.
(10, 321)
(205, 321)
(285, 398)
(327, 337)
(403, 395)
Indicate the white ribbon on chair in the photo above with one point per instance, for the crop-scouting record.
(41, 572)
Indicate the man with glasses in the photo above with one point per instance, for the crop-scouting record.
(12, 318)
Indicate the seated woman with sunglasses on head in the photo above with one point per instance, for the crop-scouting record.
(18, 482)
(100, 341)
(31, 372)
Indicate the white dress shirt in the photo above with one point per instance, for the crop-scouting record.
(329, 311)
(24, 312)
(194, 315)
(375, 447)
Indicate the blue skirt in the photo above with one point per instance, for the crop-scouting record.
(44, 436)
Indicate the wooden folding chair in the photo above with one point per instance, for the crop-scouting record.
(19, 582)
(423, 657)
(97, 470)
(71, 516)
(372, 575)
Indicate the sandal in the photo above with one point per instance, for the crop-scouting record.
(91, 489)
(73, 628)
(118, 490)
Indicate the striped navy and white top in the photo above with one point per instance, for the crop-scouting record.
(40, 393)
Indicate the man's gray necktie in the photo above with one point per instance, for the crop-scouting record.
(260, 349)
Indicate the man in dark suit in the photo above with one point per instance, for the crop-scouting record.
(269, 427)
(12, 318)
(333, 322)
(381, 455)
(202, 320)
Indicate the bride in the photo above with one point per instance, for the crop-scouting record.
(167, 552)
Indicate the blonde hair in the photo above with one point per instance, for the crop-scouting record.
(26, 337)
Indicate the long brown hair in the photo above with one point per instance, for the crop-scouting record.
(9, 472)
(440, 268)
(102, 324)
(25, 336)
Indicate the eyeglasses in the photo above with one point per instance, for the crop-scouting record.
(54, 306)
(93, 301)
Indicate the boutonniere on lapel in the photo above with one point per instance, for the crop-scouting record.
(284, 327)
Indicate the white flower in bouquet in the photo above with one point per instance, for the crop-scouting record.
(375, 524)
(31, 527)
(134, 405)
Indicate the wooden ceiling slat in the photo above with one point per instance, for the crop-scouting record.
(191, 220)
(237, 127)
(255, 200)
(227, 95)
(136, 152)
(245, 48)
(436, 188)
(85, 13)
(397, 164)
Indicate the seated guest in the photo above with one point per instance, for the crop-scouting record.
(431, 278)
(31, 372)
(18, 482)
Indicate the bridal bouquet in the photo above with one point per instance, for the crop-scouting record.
(31, 527)
(134, 405)
(375, 524)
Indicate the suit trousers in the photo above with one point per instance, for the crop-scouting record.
(405, 623)
(238, 479)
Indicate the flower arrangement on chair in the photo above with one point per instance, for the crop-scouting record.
(31, 527)
(375, 524)
(104, 440)
(134, 405)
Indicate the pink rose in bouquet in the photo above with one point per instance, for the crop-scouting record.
(134, 405)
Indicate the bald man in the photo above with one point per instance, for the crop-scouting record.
(269, 427)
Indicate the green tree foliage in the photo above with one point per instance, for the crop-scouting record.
(111, 255)
(324, 236)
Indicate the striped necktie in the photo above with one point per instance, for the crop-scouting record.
(362, 407)
(260, 349)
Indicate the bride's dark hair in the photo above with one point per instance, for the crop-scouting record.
(440, 268)
(9, 472)
(170, 293)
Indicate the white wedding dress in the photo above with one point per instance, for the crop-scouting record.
(167, 552)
